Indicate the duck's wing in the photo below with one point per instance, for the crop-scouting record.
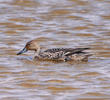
(67, 51)
(77, 51)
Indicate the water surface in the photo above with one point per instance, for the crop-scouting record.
(54, 23)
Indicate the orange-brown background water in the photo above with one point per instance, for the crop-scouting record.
(55, 23)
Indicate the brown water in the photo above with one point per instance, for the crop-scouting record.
(55, 23)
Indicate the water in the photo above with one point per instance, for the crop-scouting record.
(54, 23)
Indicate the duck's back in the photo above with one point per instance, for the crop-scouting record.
(66, 50)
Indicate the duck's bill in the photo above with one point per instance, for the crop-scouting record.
(22, 51)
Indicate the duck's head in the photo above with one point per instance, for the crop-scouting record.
(31, 45)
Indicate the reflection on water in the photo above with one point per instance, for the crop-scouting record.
(54, 23)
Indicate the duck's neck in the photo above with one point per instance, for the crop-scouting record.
(37, 52)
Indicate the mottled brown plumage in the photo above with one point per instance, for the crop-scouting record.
(64, 54)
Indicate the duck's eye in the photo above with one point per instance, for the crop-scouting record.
(28, 44)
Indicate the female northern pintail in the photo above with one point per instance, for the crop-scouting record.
(59, 54)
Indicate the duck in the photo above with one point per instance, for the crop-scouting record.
(57, 54)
